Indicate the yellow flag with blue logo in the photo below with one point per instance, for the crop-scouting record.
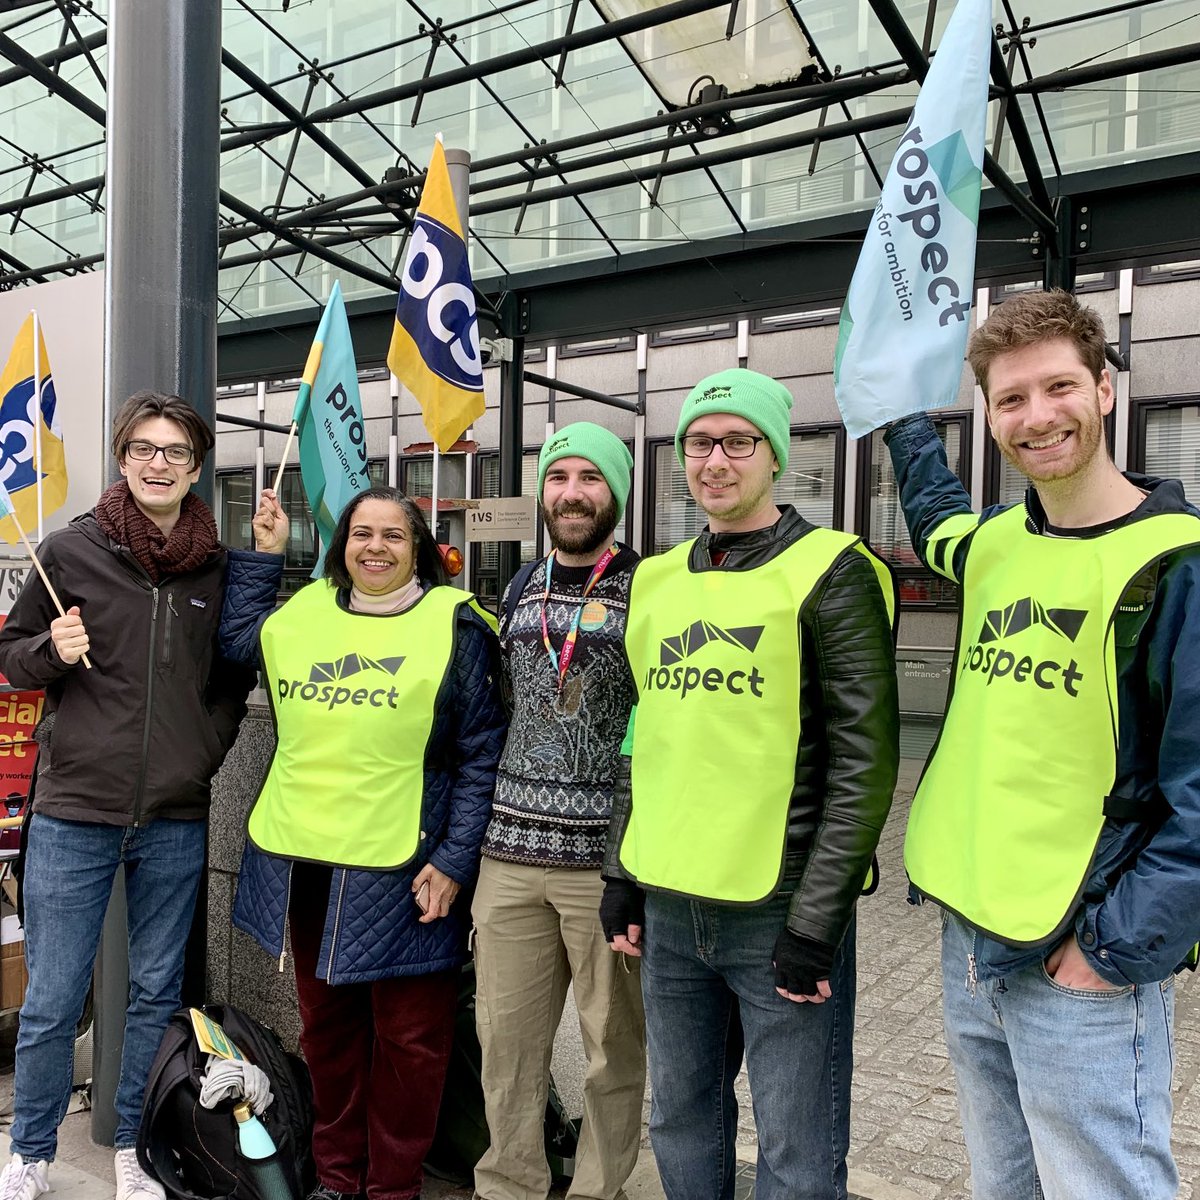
(31, 445)
(904, 324)
(434, 349)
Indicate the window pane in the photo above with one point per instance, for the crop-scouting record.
(886, 530)
(237, 509)
(1012, 483)
(1173, 446)
(810, 481)
(485, 583)
(677, 517)
(418, 477)
(300, 556)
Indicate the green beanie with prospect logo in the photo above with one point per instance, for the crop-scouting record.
(761, 400)
(602, 448)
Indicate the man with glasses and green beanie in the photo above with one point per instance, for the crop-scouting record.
(537, 927)
(142, 711)
(762, 755)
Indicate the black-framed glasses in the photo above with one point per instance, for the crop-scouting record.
(733, 445)
(176, 454)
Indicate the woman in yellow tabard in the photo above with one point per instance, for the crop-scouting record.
(389, 726)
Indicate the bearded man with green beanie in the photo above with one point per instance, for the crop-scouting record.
(536, 917)
(761, 759)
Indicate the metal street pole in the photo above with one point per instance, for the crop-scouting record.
(163, 133)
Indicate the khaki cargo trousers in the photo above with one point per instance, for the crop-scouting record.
(537, 929)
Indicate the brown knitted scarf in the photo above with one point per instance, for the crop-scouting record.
(192, 540)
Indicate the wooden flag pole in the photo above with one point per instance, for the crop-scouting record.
(434, 489)
(287, 449)
(45, 578)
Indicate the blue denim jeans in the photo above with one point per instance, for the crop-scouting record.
(1064, 1093)
(710, 998)
(69, 872)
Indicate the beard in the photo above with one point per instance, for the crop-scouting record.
(1089, 445)
(580, 537)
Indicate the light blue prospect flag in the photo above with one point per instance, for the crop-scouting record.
(328, 415)
(904, 324)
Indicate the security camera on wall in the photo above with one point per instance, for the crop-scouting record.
(495, 350)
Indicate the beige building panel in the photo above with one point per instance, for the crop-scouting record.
(793, 351)
(1170, 367)
(1166, 310)
(683, 366)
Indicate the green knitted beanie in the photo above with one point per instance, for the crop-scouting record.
(602, 448)
(763, 401)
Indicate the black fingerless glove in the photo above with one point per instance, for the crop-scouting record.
(800, 963)
(622, 904)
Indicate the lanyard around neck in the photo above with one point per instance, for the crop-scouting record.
(560, 661)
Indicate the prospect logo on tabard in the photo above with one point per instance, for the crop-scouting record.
(700, 633)
(990, 657)
(323, 686)
(351, 664)
(1022, 614)
(668, 677)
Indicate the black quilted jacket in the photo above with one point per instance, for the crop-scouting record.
(849, 751)
(371, 925)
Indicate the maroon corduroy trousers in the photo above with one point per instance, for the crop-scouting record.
(377, 1053)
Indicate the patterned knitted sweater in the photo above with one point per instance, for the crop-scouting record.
(554, 787)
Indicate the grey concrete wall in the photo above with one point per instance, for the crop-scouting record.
(239, 971)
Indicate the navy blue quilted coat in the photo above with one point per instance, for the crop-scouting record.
(371, 926)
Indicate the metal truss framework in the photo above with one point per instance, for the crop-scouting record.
(357, 230)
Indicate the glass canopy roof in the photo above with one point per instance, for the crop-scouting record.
(597, 128)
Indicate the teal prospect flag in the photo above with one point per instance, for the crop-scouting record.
(333, 439)
(904, 325)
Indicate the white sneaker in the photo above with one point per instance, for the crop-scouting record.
(132, 1182)
(21, 1180)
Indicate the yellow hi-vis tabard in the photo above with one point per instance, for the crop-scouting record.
(353, 698)
(1006, 818)
(715, 657)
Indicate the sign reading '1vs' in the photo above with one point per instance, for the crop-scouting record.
(510, 519)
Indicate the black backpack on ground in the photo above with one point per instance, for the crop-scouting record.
(192, 1150)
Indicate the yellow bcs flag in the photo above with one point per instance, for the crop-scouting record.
(434, 349)
(27, 427)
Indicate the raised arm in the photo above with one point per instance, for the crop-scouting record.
(252, 582)
(937, 508)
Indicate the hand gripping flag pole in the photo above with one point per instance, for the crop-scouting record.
(7, 509)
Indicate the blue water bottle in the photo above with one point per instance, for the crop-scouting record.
(262, 1164)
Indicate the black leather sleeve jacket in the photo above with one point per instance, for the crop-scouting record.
(848, 753)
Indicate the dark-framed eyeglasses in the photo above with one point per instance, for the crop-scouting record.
(176, 454)
(733, 445)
